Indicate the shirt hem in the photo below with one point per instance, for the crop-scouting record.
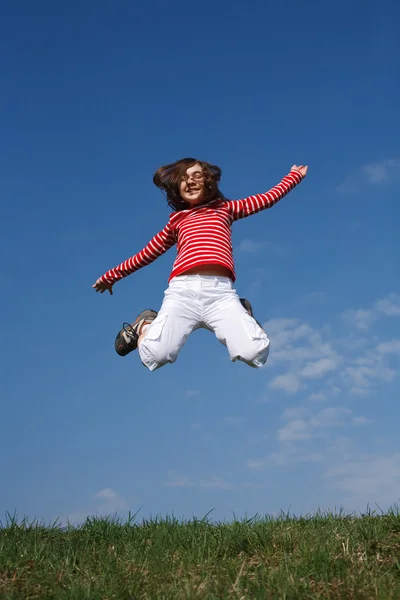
(178, 271)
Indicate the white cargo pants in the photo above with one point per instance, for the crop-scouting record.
(199, 301)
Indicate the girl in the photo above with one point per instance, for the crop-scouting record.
(200, 291)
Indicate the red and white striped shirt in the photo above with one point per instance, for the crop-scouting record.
(202, 233)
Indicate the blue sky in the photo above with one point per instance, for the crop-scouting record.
(95, 97)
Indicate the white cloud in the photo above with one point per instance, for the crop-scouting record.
(362, 376)
(290, 455)
(381, 172)
(287, 331)
(255, 464)
(361, 421)
(233, 421)
(107, 502)
(286, 456)
(391, 347)
(298, 429)
(368, 478)
(107, 493)
(371, 174)
(192, 393)
(308, 353)
(211, 483)
(111, 501)
(390, 306)
(303, 425)
(176, 480)
(319, 368)
(363, 318)
(334, 416)
(318, 397)
(216, 483)
(351, 362)
(297, 342)
(330, 368)
(296, 440)
(295, 412)
(288, 383)
(250, 246)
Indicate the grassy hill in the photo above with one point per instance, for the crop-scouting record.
(322, 556)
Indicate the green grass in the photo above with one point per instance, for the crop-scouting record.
(317, 557)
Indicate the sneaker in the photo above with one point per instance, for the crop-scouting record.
(247, 306)
(127, 338)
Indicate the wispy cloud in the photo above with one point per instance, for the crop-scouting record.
(105, 502)
(381, 172)
(363, 318)
(213, 482)
(371, 174)
(295, 440)
(216, 483)
(110, 501)
(338, 364)
(233, 421)
(253, 246)
(366, 371)
(391, 347)
(286, 456)
(309, 426)
(341, 365)
(304, 349)
(361, 421)
(368, 478)
(250, 246)
(319, 368)
(318, 397)
(175, 480)
(192, 393)
(289, 382)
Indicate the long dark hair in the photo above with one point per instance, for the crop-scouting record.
(169, 177)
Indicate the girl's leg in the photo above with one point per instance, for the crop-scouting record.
(161, 341)
(237, 330)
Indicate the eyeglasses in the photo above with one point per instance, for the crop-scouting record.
(197, 176)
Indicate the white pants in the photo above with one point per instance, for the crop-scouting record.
(198, 301)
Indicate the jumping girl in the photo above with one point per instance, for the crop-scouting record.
(200, 293)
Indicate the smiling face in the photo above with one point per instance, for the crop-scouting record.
(191, 187)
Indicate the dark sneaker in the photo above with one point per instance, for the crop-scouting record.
(247, 306)
(127, 338)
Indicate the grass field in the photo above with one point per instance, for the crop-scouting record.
(322, 556)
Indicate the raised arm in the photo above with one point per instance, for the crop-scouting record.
(160, 243)
(254, 204)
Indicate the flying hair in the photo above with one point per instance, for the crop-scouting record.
(169, 177)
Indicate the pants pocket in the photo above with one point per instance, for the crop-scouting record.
(252, 328)
(155, 330)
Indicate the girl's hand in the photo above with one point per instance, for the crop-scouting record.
(303, 170)
(101, 287)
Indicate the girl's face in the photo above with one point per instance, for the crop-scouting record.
(191, 187)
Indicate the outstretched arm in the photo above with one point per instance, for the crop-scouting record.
(253, 204)
(160, 243)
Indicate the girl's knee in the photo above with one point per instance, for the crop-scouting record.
(256, 355)
(252, 343)
(154, 355)
(261, 357)
(156, 347)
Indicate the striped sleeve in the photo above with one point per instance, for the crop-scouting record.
(158, 245)
(254, 204)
